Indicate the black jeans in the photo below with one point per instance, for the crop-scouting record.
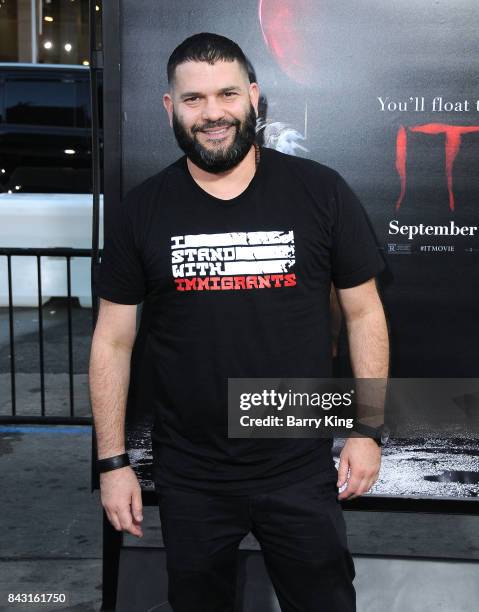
(301, 531)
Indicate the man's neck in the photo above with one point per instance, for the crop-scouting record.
(229, 184)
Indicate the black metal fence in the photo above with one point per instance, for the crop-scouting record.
(70, 418)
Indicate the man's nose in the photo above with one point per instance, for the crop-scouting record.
(212, 110)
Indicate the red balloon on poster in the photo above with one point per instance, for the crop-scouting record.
(290, 29)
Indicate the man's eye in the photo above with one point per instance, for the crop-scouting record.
(192, 99)
(229, 94)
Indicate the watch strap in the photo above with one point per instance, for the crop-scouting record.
(376, 433)
(112, 463)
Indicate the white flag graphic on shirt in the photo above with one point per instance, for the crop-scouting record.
(230, 254)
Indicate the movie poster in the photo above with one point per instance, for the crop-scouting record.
(386, 94)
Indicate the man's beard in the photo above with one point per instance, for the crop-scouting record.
(219, 158)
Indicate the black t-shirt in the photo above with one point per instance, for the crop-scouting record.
(234, 288)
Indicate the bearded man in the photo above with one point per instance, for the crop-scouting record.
(235, 247)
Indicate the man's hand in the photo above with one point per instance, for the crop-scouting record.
(363, 457)
(121, 498)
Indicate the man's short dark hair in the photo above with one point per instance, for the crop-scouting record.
(206, 47)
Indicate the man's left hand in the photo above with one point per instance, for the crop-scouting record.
(362, 458)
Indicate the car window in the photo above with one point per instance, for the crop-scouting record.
(83, 116)
(41, 107)
(46, 101)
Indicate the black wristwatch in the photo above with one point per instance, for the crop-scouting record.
(379, 434)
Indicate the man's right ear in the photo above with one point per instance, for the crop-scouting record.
(168, 104)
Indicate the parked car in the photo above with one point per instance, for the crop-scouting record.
(45, 175)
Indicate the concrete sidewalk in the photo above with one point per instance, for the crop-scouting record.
(51, 522)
